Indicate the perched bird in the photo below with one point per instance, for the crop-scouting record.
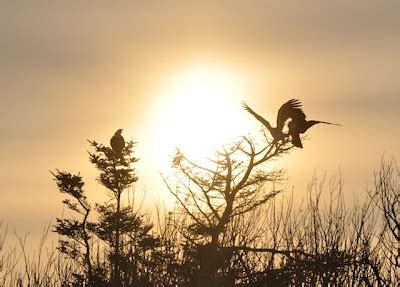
(299, 125)
(284, 113)
(118, 143)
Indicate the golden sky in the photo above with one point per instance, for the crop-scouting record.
(72, 71)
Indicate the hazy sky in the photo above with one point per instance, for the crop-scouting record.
(72, 71)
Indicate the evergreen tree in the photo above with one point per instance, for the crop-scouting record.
(120, 232)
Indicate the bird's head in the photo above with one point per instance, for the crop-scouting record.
(119, 131)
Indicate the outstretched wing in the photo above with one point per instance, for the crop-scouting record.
(290, 109)
(257, 116)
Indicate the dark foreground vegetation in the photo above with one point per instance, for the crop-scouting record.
(231, 226)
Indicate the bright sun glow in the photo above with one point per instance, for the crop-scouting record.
(199, 111)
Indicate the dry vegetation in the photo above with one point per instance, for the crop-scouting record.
(231, 226)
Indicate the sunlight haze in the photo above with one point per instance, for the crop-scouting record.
(174, 74)
(207, 95)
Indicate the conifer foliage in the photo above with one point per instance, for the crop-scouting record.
(111, 241)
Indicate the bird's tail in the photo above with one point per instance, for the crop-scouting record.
(296, 141)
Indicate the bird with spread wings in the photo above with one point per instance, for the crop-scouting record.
(297, 125)
(284, 113)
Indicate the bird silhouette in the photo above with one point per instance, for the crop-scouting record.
(117, 143)
(284, 113)
(299, 125)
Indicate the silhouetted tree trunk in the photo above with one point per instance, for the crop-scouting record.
(232, 184)
(116, 279)
(116, 174)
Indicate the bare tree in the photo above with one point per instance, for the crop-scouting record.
(320, 241)
(3, 257)
(232, 183)
(386, 196)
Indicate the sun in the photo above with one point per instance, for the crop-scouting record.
(199, 111)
